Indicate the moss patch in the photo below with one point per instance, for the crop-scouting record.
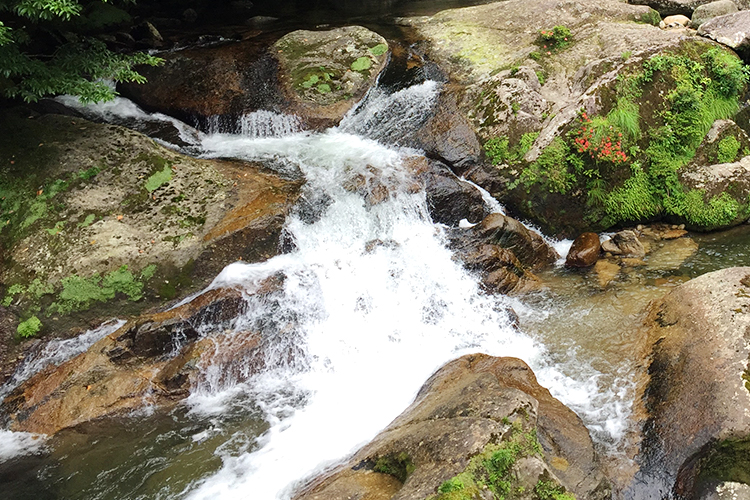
(493, 470)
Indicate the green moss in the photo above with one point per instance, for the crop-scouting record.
(90, 218)
(727, 460)
(29, 328)
(158, 179)
(660, 113)
(398, 465)
(551, 490)
(651, 17)
(361, 64)
(492, 469)
(729, 147)
(717, 212)
(379, 49)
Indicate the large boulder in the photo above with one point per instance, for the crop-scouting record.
(98, 214)
(315, 75)
(696, 401)
(730, 30)
(475, 417)
(673, 7)
(718, 178)
(155, 358)
(324, 73)
(568, 145)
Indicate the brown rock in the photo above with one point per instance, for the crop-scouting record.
(697, 399)
(585, 251)
(469, 404)
(606, 271)
(625, 243)
(503, 251)
(137, 362)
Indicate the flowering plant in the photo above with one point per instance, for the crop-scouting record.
(602, 142)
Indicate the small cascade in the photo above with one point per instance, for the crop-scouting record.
(264, 123)
(56, 352)
(391, 118)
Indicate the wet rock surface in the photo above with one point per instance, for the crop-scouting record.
(697, 397)
(109, 216)
(471, 406)
(584, 251)
(504, 253)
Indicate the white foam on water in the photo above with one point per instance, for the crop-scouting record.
(14, 444)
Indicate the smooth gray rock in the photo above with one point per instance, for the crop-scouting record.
(710, 10)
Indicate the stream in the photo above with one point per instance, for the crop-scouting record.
(372, 305)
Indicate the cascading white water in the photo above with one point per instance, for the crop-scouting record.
(372, 304)
(378, 305)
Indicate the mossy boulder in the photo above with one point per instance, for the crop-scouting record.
(98, 214)
(585, 123)
(324, 73)
(696, 400)
(480, 426)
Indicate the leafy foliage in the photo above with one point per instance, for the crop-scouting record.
(686, 91)
(78, 66)
(728, 149)
(29, 328)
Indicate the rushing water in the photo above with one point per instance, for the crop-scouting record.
(372, 304)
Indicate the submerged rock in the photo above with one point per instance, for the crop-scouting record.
(473, 411)
(696, 401)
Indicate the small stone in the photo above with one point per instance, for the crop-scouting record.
(633, 262)
(673, 234)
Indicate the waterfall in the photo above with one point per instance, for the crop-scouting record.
(371, 304)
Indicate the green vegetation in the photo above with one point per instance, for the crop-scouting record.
(319, 79)
(361, 64)
(692, 88)
(555, 39)
(651, 17)
(158, 179)
(379, 49)
(550, 490)
(399, 466)
(727, 460)
(80, 293)
(29, 328)
(729, 147)
(493, 470)
(23, 203)
(498, 149)
(41, 54)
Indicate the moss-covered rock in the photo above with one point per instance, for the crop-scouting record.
(586, 122)
(98, 214)
(480, 427)
(324, 73)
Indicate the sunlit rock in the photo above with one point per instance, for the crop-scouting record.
(467, 413)
(696, 403)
